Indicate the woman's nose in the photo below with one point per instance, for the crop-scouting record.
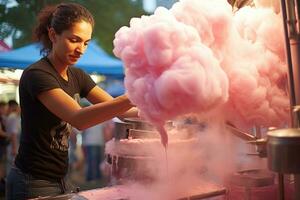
(81, 48)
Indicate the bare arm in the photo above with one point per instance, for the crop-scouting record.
(66, 108)
(98, 95)
(133, 112)
(14, 146)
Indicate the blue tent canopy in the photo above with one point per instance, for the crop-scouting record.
(115, 89)
(94, 60)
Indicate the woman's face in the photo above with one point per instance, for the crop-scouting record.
(72, 43)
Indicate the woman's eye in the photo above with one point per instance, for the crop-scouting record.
(73, 40)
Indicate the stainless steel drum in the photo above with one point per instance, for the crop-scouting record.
(142, 134)
(135, 127)
(283, 147)
(139, 123)
(132, 168)
(121, 130)
(132, 128)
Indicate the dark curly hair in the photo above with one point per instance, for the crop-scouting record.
(60, 17)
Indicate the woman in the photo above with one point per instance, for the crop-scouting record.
(48, 92)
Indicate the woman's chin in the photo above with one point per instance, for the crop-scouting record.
(73, 61)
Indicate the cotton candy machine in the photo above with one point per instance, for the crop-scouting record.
(260, 184)
(136, 147)
(126, 159)
(132, 155)
(283, 146)
(137, 155)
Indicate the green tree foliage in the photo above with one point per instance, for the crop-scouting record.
(19, 20)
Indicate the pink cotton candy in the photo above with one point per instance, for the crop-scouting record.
(168, 69)
(253, 26)
(200, 56)
(184, 88)
(259, 56)
(274, 4)
(212, 19)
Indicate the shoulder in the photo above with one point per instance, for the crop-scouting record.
(38, 77)
(41, 66)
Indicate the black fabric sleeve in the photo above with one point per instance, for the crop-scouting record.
(38, 81)
(86, 83)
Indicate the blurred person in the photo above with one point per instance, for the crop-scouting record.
(13, 129)
(73, 157)
(49, 92)
(108, 133)
(4, 141)
(93, 148)
(109, 129)
(3, 134)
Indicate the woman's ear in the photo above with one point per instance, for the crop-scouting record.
(52, 34)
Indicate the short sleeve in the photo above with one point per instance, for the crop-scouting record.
(37, 81)
(86, 83)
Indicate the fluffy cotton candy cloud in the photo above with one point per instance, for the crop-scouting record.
(168, 69)
(212, 20)
(257, 70)
(250, 48)
(200, 56)
(274, 4)
(261, 25)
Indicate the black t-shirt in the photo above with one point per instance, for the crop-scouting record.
(43, 150)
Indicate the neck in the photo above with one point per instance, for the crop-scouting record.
(59, 66)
